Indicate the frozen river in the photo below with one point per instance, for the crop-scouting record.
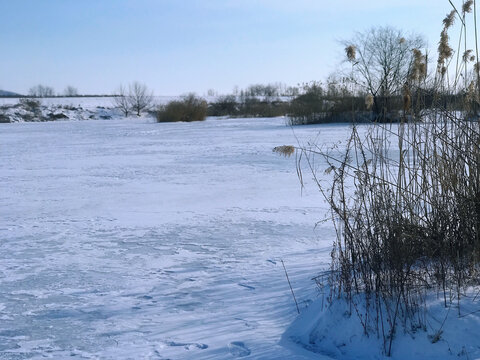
(130, 239)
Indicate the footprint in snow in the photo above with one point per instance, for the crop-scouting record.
(238, 349)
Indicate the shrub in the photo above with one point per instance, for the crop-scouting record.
(224, 106)
(190, 108)
(30, 104)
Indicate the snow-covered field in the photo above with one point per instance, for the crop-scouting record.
(127, 239)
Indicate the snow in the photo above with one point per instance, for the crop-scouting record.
(131, 239)
(128, 239)
(88, 102)
(332, 330)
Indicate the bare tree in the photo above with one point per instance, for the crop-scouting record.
(121, 100)
(136, 99)
(70, 91)
(381, 59)
(41, 91)
(139, 97)
(211, 92)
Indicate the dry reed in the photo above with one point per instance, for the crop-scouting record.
(351, 52)
(369, 101)
(411, 225)
(467, 7)
(285, 150)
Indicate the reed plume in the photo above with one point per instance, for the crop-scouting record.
(351, 52)
(369, 101)
(285, 150)
(449, 19)
(467, 7)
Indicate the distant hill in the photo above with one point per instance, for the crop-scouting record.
(8, 93)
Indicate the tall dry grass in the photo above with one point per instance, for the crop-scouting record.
(405, 198)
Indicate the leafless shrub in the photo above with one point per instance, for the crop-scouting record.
(121, 100)
(190, 108)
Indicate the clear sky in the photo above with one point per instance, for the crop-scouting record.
(178, 46)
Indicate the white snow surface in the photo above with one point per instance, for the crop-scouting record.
(128, 239)
(334, 330)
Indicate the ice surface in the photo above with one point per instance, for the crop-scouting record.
(127, 239)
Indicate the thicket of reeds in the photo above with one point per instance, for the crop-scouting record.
(405, 198)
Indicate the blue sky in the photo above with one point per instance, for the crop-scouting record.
(178, 46)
